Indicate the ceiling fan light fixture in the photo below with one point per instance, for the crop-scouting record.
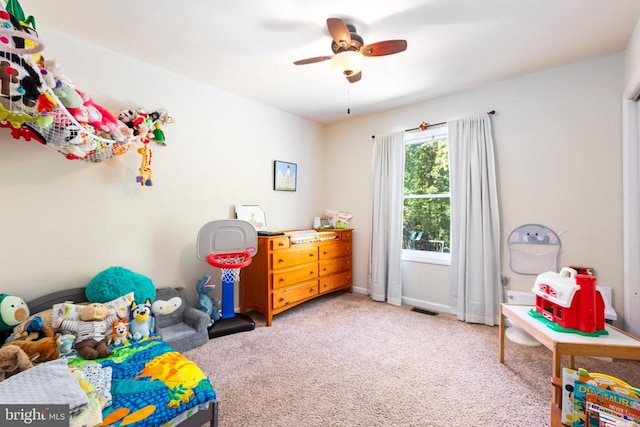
(348, 62)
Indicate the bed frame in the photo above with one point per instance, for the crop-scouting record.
(45, 302)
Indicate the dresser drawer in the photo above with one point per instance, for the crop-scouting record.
(291, 276)
(281, 242)
(291, 257)
(347, 235)
(335, 265)
(335, 250)
(335, 281)
(294, 294)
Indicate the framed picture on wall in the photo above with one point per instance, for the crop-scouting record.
(285, 175)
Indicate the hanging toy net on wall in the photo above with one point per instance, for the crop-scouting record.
(534, 249)
(40, 103)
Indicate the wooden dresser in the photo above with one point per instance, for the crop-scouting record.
(284, 274)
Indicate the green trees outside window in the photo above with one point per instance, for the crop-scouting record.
(427, 207)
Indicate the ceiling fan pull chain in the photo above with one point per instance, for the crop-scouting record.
(348, 100)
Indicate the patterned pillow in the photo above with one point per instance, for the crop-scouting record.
(70, 311)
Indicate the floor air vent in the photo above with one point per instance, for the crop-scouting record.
(423, 311)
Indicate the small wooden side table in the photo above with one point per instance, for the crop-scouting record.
(617, 344)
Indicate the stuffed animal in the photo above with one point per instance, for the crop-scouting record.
(13, 310)
(206, 303)
(141, 321)
(91, 330)
(62, 87)
(66, 342)
(37, 329)
(145, 177)
(119, 333)
(99, 117)
(13, 360)
(24, 84)
(43, 350)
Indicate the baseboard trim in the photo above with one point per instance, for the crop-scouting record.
(357, 290)
(440, 308)
(426, 305)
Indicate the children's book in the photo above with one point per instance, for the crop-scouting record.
(569, 378)
(602, 412)
(603, 386)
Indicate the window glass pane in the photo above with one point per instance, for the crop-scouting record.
(427, 168)
(426, 224)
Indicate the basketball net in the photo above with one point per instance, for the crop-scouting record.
(228, 266)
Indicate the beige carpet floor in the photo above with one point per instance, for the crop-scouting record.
(344, 360)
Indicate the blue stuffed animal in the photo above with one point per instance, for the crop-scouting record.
(207, 303)
(141, 320)
(37, 329)
(66, 342)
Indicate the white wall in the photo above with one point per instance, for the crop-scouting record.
(558, 146)
(557, 141)
(632, 58)
(64, 221)
(631, 184)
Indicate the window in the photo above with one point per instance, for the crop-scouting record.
(427, 207)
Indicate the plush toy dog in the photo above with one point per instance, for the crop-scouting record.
(91, 330)
(13, 360)
(141, 321)
(119, 333)
(39, 351)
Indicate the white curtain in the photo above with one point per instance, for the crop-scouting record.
(383, 279)
(475, 222)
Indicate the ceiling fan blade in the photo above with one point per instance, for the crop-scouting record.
(339, 32)
(312, 60)
(355, 77)
(387, 47)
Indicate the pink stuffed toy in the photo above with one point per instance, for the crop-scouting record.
(98, 116)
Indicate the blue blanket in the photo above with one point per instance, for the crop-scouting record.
(151, 383)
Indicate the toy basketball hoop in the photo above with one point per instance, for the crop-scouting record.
(230, 264)
(228, 244)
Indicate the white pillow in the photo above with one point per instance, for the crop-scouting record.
(70, 311)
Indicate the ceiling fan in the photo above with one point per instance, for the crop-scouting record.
(349, 49)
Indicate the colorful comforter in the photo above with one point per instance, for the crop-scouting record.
(151, 383)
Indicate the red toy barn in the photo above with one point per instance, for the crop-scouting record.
(571, 300)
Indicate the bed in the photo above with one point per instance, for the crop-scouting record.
(144, 389)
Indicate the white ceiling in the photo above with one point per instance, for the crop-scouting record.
(248, 46)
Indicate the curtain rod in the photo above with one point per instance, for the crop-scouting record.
(425, 125)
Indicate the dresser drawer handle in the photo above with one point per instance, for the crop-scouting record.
(280, 261)
(281, 280)
(281, 299)
(325, 252)
(280, 244)
(311, 255)
(312, 273)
